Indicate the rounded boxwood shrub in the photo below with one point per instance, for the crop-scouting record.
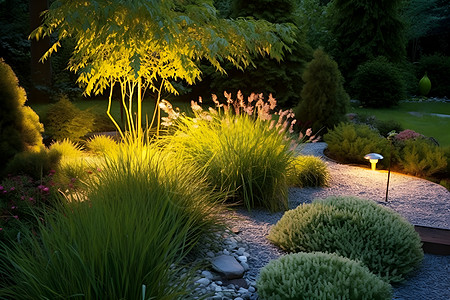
(319, 276)
(354, 228)
(348, 143)
(308, 171)
(378, 83)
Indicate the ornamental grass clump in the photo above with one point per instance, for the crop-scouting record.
(144, 212)
(241, 147)
(308, 171)
(354, 228)
(319, 276)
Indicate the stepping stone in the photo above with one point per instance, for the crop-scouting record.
(228, 266)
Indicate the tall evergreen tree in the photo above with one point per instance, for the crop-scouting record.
(281, 78)
(365, 29)
(324, 100)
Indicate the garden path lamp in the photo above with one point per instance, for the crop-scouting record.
(373, 158)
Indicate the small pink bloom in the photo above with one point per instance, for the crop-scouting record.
(13, 207)
(31, 199)
(70, 185)
(46, 189)
(1, 188)
(73, 180)
(12, 189)
(99, 170)
(16, 217)
(41, 186)
(1, 229)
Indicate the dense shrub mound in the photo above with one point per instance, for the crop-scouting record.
(319, 276)
(378, 83)
(349, 143)
(308, 171)
(355, 228)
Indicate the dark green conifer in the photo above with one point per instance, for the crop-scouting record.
(365, 29)
(324, 100)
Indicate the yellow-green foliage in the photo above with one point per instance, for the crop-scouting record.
(65, 121)
(20, 129)
(355, 228)
(101, 144)
(67, 148)
(319, 276)
(350, 142)
(308, 171)
(422, 158)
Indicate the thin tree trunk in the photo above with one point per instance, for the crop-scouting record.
(41, 73)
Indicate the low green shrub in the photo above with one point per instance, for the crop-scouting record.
(101, 144)
(378, 83)
(349, 143)
(384, 127)
(354, 228)
(65, 121)
(421, 157)
(146, 210)
(241, 148)
(319, 276)
(35, 164)
(437, 68)
(308, 171)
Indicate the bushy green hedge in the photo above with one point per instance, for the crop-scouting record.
(355, 228)
(378, 83)
(349, 143)
(308, 171)
(319, 276)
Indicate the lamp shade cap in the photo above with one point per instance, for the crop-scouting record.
(373, 156)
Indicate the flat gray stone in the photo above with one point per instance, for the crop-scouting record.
(228, 266)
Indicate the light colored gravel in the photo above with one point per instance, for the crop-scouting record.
(419, 201)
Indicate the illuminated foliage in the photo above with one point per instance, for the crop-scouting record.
(144, 44)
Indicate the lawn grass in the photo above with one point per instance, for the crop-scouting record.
(100, 106)
(421, 121)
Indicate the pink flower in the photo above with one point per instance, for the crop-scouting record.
(16, 217)
(1, 229)
(41, 186)
(31, 199)
(13, 207)
(45, 189)
(12, 189)
(1, 188)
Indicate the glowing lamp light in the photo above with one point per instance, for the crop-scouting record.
(373, 158)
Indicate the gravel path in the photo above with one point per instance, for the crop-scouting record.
(419, 201)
